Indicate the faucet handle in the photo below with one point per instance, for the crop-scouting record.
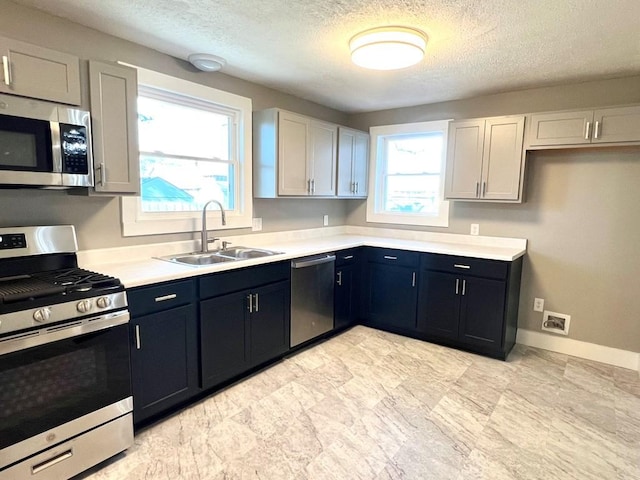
(212, 239)
(225, 244)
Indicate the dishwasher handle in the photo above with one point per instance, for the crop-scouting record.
(308, 262)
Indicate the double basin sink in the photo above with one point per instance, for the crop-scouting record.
(200, 259)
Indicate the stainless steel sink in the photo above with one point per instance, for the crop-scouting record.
(199, 259)
(246, 252)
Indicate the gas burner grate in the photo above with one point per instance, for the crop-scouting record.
(17, 289)
(78, 279)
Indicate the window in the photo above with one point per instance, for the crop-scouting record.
(195, 144)
(408, 174)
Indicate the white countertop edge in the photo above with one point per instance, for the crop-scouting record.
(134, 271)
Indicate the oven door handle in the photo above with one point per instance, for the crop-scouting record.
(34, 338)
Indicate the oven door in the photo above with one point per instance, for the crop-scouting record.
(56, 390)
(26, 152)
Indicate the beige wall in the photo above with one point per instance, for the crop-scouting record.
(97, 220)
(580, 217)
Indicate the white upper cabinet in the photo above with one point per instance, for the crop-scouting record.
(353, 163)
(586, 127)
(293, 155)
(484, 159)
(37, 72)
(114, 91)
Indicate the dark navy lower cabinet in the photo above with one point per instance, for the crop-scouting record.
(391, 289)
(469, 303)
(247, 327)
(164, 349)
(348, 271)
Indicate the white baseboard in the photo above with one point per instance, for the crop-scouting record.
(576, 348)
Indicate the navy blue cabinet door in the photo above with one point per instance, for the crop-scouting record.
(224, 333)
(482, 311)
(344, 300)
(391, 296)
(439, 304)
(163, 360)
(269, 322)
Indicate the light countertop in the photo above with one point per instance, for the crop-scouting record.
(135, 266)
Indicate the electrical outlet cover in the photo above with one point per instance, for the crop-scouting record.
(475, 229)
(256, 225)
(538, 304)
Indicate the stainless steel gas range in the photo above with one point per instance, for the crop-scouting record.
(65, 379)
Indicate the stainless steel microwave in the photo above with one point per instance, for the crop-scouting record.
(44, 144)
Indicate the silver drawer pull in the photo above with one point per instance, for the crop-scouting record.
(339, 280)
(389, 257)
(250, 303)
(459, 265)
(138, 344)
(50, 463)
(347, 257)
(464, 286)
(413, 279)
(257, 305)
(457, 286)
(164, 298)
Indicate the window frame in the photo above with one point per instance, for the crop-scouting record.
(135, 222)
(375, 201)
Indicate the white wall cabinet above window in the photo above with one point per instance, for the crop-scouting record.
(353, 163)
(114, 120)
(485, 159)
(294, 155)
(615, 125)
(37, 72)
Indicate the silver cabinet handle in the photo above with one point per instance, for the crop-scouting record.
(484, 188)
(309, 186)
(347, 257)
(103, 174)
(256, 308)
(313, 186)
(586, 132)
(596, 129)
(389, 257)
(138, 344)
(357, 187)
(477, 189)
(464, 286)
(459, 265)
(339, 280)
(250, 303)
(7, 70)
(51, 462)
(164, 298)
(413, 279)
(457, 285)
(352, 186)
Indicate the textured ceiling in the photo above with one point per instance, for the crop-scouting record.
(301, 46)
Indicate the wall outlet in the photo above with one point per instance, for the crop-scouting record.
(475, 229)
(325, 220)
(556, 322)
(538, 304)
(256, 225)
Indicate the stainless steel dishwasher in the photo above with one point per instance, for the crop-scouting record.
(311, 297)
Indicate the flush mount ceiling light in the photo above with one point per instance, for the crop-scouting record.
(388, 48)
(207, 62)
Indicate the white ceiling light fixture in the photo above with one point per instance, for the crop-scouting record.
(388, 48)
(207, 62)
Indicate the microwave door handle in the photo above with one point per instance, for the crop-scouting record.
(56, 147)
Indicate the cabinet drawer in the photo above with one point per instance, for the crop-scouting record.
(235, 280)
(159, 297)
(394, 257)
(465, 266)
(348, 257)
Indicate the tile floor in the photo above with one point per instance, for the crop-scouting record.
(372, 405)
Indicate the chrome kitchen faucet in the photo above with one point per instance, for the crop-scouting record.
(204, 247)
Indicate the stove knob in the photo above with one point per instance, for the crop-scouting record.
(84, 306)
(103, 302)
(42, 315)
